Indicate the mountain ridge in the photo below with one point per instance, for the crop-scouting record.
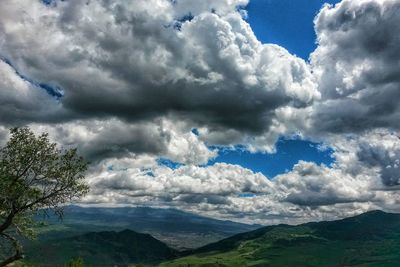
(179, 229)
(368, 239)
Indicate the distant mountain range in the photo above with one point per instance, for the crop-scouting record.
(370, 239)
(180, 230)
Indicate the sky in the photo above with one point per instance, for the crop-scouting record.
(294, 30)
(288, 153)
(259, 111)
(287, 23)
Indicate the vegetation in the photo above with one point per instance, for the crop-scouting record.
(75, 263)
(34, 175)
(102, 249)
(371, 239)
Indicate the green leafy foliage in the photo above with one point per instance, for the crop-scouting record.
(34, 175)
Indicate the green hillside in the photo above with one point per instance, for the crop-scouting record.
(370, 239)
(178, 229)
(101, 249)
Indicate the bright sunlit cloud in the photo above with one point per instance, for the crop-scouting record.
(204, 105)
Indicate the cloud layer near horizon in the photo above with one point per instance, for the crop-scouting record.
(127, 83)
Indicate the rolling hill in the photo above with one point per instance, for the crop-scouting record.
(178, 229)
(99, 249)
(370, 239)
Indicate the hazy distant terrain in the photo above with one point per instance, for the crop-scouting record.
(100, 235)
(178, 229)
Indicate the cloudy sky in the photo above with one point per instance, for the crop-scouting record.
(264, 111)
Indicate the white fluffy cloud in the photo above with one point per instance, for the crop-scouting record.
(218, 180)
(355, 183)
(127, 82)
(146, 60)
(308, 192)
(110, 138)
(312, 185)
(135, 61)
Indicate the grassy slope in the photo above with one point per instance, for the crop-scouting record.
(371, 239)
(101, 249)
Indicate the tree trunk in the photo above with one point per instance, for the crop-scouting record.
(18, 251)
(7, 223)
(16, 257)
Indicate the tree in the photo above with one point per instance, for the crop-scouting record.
(35, 176)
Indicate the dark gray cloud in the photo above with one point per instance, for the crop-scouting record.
(128, 61)
(137, 77)
(382, 151)
(22, 101)
(357, 63)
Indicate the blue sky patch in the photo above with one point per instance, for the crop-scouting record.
(47, 2)
(179, 21)
(247, 195)
(288, 23)
(52, 90)
(288, 153)
(168, 163)
(195, 131)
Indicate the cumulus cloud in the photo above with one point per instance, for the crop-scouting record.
(357, 66)
(138, 65)
(126, 82)
(312, 185)
(219, 180)
(308, 192)
(381, 149)
(193, 7)
(112, 138)
(22, 101)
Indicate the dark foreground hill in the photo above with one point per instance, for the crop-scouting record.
(101, 249)
(370, 239)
